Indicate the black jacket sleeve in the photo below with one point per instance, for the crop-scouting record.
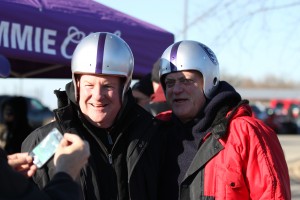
(62, 187)
(14, 185)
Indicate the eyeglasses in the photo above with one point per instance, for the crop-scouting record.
(182, 81)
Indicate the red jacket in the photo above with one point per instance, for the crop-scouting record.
(158, 95)
(247, 163)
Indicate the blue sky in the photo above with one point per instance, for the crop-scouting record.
(258, 45)
(261, 44)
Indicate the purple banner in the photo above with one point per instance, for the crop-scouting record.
(39, 37)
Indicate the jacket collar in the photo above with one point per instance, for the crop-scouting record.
(216, 109)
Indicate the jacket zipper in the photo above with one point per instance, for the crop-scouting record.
(110, 158)
(108, 154)
(110, 142)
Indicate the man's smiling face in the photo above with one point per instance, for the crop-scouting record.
(184, 92)
(100, 98)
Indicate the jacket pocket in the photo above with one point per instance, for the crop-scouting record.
(235, 187)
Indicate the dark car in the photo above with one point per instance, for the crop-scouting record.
(259, 111)
(38, 114)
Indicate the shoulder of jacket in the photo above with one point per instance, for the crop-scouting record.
(36, 136)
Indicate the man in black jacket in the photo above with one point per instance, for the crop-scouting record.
(16, 168)
(100, 108)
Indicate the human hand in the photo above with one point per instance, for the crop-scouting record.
(22, 163)
(71, 155)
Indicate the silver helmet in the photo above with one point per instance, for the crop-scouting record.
(191, 55)
(103, 53)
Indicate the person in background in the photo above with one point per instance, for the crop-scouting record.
(14, 116)
(3, 135)
(142, 90)
(157, 103)
(99, 107)
(15, 169)
(216, 148)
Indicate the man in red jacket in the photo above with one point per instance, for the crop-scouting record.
(216, 148)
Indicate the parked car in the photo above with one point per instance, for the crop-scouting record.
(284, 106)
(259, 111)
(38, 114)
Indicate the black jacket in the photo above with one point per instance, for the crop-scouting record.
(14, 185)
(128, 169)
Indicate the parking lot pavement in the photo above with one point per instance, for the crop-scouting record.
(291, 148)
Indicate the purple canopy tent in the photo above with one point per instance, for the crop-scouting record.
(39, 36)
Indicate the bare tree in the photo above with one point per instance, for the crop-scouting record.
(233, 21)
